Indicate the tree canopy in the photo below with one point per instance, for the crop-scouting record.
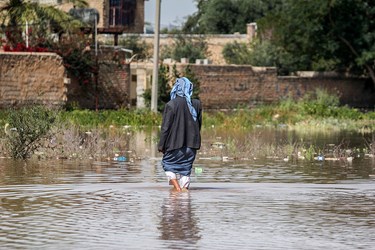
(15, 13)
(324, 35)
(226, 16)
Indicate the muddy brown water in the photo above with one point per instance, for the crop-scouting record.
(254, 203)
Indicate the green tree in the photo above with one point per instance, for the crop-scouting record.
(139, 48)
(15, 13)
(237, 53)
(187, 46)
(226, 16)
(257, 53)
(324, 35)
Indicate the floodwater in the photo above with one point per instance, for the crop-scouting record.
(233, 203)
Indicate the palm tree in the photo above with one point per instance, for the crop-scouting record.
(16, 14)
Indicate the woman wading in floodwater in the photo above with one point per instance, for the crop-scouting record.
(180, 134)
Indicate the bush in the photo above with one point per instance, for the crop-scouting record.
(186, 47)
(321, 103)
(25, 130)
(257, 53)
(139, 48)
(236, 53)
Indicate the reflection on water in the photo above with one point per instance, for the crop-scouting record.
(178, 221)
(249, 204)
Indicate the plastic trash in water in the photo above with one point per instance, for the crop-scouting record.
(198, 170)
(320, 158)
(120, 158)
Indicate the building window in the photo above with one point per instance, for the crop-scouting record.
(122, 12)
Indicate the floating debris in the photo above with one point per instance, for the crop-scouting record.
(218, 145)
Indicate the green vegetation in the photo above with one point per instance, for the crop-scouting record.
(316, 35)
(226, 16)
(102, 133)
(106, 118)
(26, 129)
(257, 53)
(318, 109)
(140, 48)
(42, 19)
(191, 47)
(294, 35)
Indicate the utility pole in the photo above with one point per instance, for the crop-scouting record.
(96, 63)
(27, 34)
(155, 75)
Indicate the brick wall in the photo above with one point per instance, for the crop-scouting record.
(111, 92)
(31, 78)
(230, 86)
(39, 78)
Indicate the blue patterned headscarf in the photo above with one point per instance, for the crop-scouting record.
(184, 88)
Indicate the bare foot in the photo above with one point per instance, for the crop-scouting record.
(176, 185)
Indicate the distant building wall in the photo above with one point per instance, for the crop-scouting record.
(102, 6)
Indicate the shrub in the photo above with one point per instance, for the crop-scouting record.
(25, 130)
(321, 103)
(186, 46)
(139, 48)
(236, 53)
(258, 53)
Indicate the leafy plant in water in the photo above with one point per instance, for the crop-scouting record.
(27, 128)
(321, 103)
(309, 153)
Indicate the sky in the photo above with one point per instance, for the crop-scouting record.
(171, 11)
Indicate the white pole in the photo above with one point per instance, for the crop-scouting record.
(27, 34)
(155, 76)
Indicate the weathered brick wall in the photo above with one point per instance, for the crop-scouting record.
(228, 86)
(31, 78)
(38, 78)
(111, 92)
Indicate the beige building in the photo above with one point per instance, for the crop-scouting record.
(115, 16)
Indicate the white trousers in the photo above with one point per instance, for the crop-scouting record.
(183, 180)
